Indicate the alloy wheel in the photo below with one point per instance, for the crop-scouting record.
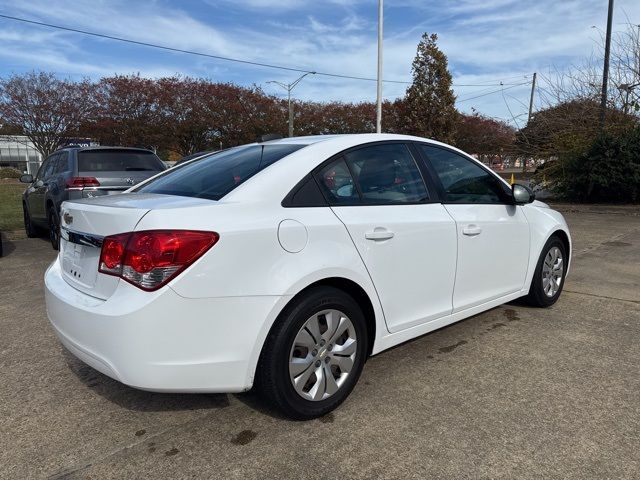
(552, 270)
(322, 355)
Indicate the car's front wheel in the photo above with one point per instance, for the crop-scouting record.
(314, 354)
(548, 278)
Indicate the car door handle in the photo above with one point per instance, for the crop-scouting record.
(471, 230)
(379, 235)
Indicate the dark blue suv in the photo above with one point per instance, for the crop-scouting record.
(74, 173)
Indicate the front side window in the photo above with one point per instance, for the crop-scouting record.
(43, 167)
(214, 176)
(49, 167)
(462, 179)
(62, 165)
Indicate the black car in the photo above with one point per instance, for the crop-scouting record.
(73, 173)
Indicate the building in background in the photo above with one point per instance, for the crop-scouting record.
(17, 151)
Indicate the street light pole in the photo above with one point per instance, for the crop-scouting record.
(605, 73)
(288, 87)
(379, 80)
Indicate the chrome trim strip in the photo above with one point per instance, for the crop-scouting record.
(81, 238)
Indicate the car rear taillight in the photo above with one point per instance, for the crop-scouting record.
(149, 259)
(78, 183)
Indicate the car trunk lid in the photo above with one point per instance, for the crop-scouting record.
(85, 223)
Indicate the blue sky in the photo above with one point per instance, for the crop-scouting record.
(486, 41)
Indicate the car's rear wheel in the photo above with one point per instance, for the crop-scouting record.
(314, 354)
(548, 278)
(54, 227)
(29, 228)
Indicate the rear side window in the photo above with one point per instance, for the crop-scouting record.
(118, 161)
(374, 175)
(214, 176)
(387, 174)
(463, 180)
(337, 183)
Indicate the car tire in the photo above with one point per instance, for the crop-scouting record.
(29, 228)
(291, 346)
(548, 278)
(54, 227)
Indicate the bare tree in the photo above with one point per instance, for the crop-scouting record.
(46, 109)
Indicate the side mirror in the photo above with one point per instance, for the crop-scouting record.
(26, 178)
(522, 194)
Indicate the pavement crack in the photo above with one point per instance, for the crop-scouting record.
(603, 296)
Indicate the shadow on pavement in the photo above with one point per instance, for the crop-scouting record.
(140, 400)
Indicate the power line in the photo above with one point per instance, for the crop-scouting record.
(491, 93)
(190, 52)
(219, 57)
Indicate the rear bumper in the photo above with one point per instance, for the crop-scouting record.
(161, 341)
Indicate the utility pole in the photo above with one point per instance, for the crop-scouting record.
(379, 92)
(533, 89)
(288, 87)
(605, 73)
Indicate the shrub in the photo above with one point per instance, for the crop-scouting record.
(609, 171)
(9, 172)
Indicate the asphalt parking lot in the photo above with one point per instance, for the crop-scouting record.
(515, 392)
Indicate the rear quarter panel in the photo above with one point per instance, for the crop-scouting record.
(249, 260)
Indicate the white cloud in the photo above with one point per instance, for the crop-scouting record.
(485, 41)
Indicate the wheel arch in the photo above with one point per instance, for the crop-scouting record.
(344, 284)
(359, 295)
(564, 238)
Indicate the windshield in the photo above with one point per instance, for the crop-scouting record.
(118, 161)
(215, 175)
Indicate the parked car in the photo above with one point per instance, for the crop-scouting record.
(73, 173)
(285, 264)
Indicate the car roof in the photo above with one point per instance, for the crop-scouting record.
(276, 181)
(103, 147)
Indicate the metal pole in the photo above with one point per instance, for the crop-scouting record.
(290, 113)
(379, 93)
(533, 89)
(605, 73)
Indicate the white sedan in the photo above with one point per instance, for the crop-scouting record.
(284, 264)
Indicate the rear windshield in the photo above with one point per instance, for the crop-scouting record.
(118, 161)
(215, 175)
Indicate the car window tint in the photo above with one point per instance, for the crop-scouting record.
(118, 161)
(337, 184)
(62, 165)
(50, 166)
(215, 175)
(43, 167)
(387, 174)
(463, 180)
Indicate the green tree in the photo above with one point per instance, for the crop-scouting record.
(430, 102)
